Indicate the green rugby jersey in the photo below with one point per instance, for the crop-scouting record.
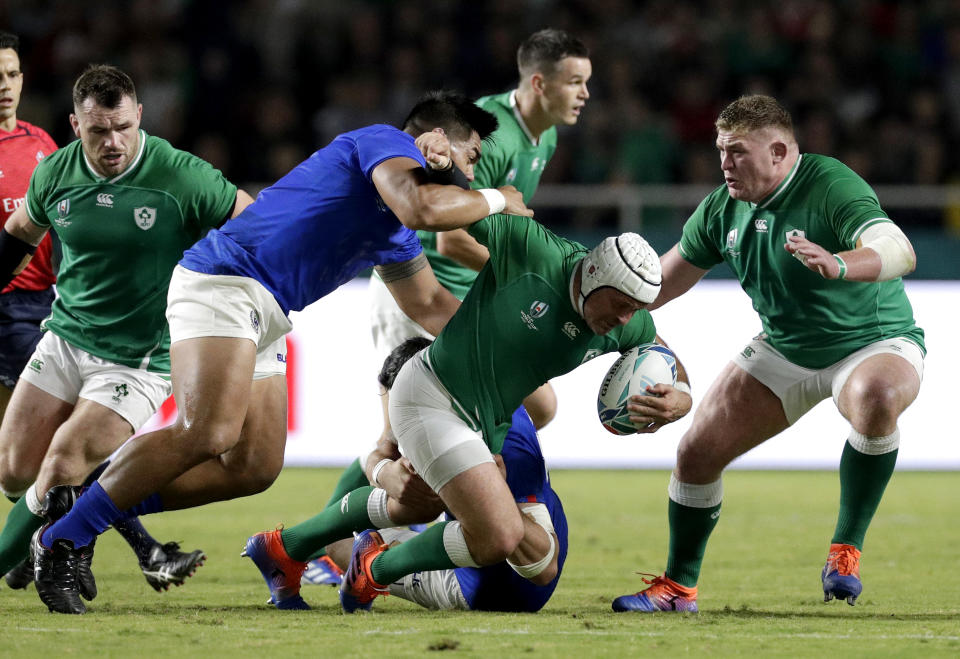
(511, 159)
(517, 327)
(121, 239)
(812, 321)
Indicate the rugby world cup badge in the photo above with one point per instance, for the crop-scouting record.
(538, 308)
(63, 210)
(145, 217)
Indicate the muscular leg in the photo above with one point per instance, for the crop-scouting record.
(736, 414)
(212, 381)
(28, 428)
(489, 521)
(83, 441)
(872, 399)
(251, 465)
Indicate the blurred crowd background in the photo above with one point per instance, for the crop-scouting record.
(254, 86)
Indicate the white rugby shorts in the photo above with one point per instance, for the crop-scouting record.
(201, 305)
(388, 324)
(799, 388)
(69, 373)
(437, 590)
(429, 433)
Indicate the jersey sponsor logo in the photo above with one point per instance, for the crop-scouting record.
(11, 204)
(538, 308)
(747, 352)
(760, 224)
(40, 156)
(537, 164)
(732, 243)
(570, 329)
(120, 391)
(63, 210)
(255, 320)
(282, 358)
(104, 199)
(145, 217)
(36, 365)
(511, 175)
(590, 354)
(715, 514)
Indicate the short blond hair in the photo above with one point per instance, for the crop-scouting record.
(754, 112)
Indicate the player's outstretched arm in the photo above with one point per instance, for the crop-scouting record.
(883, 252)
(419, 204)
(678, 277)
(419, 294)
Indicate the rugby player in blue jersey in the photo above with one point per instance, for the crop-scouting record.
(354, 204)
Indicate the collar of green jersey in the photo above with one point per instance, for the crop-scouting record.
(784, 184)
(516, 115)
(136, 161)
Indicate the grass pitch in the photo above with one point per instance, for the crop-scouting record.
(759, 595)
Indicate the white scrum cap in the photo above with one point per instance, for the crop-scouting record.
(626, 263)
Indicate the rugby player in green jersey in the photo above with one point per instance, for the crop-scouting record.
(554, 70)
(541, 307)
(124, 205)
(822, 263)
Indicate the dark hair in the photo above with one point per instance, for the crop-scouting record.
(106, 85)
(543, 50)
(398, 357)
(456, 114)
(11, 41)
(754, 112)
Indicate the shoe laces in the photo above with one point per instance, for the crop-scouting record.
(660, 583)
(845, 559)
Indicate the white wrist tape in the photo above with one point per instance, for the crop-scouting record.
(887, 240)
(495, 199)
(684, 387)
(532, 570)
(377, 468)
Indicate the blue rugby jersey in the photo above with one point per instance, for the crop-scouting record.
(318, 226)
(498, 587)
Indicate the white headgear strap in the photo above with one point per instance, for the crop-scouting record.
(626, 263)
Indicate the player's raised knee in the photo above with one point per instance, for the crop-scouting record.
(498, 542)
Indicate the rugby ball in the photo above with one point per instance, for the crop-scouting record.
(635, 370)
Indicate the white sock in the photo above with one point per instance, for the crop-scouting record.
(874, 445)
(696, 496)
(456, 546)
(377, 509)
